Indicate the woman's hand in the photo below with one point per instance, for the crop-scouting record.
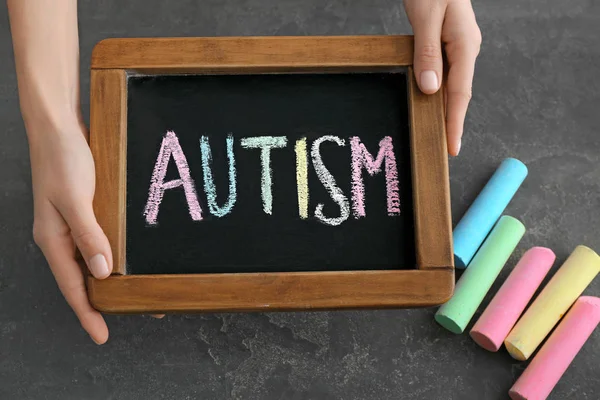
(450, 23)
(63, 179)
(46, 46)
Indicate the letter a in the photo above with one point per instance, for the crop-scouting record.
(170, 147)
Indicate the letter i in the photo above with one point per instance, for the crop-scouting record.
(302, 177)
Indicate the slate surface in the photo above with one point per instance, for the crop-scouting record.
(535, 98)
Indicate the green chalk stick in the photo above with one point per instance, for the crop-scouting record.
(478, 278)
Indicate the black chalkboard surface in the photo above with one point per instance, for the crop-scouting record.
(174, 226)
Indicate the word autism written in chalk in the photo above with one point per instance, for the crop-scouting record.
(362, 160)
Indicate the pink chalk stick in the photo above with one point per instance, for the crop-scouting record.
(507, 306)
(553, 359)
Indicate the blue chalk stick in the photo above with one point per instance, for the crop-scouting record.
(485, 211)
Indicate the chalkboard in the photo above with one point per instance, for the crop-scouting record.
(198, 196)
(268, 173)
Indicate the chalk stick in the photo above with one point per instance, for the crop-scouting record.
(475, 282)
(555, 356)
(508, 304)
(553, 302)
(483, 214)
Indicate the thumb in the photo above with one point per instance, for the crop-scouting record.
(90, 240)
(427, 19)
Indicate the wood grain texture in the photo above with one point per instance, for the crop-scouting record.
(270, 292)
(253, 54)
(108, 133)
(430, 176)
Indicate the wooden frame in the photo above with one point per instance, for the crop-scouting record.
(432, 283)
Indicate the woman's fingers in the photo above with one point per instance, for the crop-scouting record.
(54, 239)
(451, 23)
(460, 78)
(89, 238)
(91, 241)
(427, 18)
(462, 39)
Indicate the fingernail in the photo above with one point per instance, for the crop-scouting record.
(458, 147)
(95, 341)
(429, 82)
(99, 266)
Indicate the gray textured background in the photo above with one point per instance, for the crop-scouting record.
(536, 97)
